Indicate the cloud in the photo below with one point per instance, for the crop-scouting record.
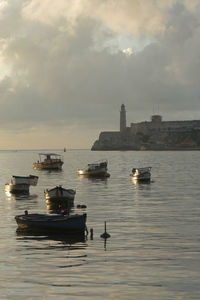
(124, 16)
(61, 65)
(128, 51)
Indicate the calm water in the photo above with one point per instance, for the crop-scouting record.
(154, 249)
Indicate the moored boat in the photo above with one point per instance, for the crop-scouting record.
(21, 184)
(97, 169)
(52, 222)
(48, 161)
(59, 194)
(141, 174)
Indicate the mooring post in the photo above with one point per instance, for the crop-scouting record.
(91, 233)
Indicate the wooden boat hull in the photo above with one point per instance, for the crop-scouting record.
(141, 178)
(85, 173)
(101, 172)
(48, 166)
(51, 222)
(17, 188)
(60, 194)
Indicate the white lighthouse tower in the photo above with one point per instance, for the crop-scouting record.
(122, 118)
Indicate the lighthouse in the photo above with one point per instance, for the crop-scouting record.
(122, 118)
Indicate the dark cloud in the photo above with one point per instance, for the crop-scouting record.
(63, 73)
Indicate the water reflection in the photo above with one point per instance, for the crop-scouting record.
(58, 207)
(20, 196)
(51, 171)
(65, 239)
(154, 232)
(105, 244)
(93, 179)
(139, 184)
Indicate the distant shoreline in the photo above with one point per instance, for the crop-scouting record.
(41, 150)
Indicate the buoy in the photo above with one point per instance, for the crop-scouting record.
(105, 235)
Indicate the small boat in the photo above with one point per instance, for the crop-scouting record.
(51, 222)
(59, 194)
(141, 174)
(21, 184)
(97, 169)
(48, 161)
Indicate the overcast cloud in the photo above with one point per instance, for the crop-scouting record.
(64, 74)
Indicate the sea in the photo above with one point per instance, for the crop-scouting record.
(153, 252)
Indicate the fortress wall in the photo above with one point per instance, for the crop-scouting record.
(143, 127)
(109, 136)
(179, 126)
(164, 126)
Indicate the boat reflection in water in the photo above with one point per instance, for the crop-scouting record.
(57, 207)
(68, 250)
(20, 196)
(66, 239)
(138, 182)
(94, 179)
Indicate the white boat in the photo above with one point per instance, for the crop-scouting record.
(21, 184)
(48, 161)
(97, 169)
(141, 174)
(59, 194)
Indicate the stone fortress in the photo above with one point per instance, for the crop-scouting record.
(151, 135)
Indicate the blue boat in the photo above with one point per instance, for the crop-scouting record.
(52, 222)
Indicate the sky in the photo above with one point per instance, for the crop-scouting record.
(66, 67)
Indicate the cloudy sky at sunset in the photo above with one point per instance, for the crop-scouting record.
(66, 67)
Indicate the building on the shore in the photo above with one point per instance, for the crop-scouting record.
(155, 134)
